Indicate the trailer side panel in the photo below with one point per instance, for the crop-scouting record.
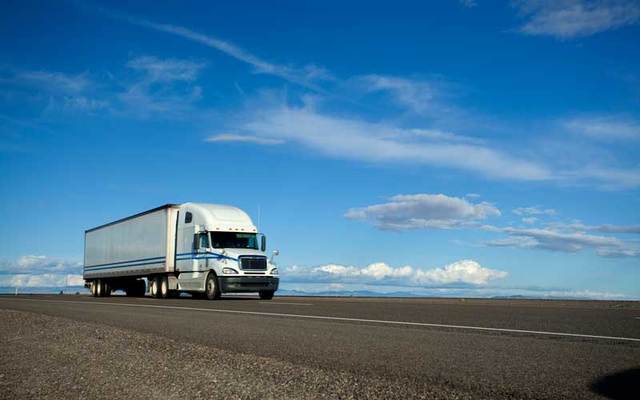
(136, 246)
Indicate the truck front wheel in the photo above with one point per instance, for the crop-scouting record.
(212, 289)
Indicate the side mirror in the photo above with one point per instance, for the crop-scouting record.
(263, 243)
(273, 255)
(199, 245)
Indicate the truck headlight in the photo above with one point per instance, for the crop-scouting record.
(229, 271)
(274, 271)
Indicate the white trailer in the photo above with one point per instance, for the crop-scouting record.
(202, 249)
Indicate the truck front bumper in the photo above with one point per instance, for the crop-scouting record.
(248, 283)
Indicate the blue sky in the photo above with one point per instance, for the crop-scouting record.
(461, 148)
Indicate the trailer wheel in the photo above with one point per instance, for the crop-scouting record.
(163, 287)
(211, 288)
(99, 290)
(94, 289)
(153, 287)
(266, 295)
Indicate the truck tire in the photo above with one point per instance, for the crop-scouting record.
(153, 287)
(211, 287)
(163, 287)
(266, 295)
(99, 288)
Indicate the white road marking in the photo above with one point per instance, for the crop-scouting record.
(330, 318)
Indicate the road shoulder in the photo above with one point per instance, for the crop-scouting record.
(48, 357)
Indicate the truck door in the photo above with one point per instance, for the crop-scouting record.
(187, 262)
(201, 245)
(200, 260)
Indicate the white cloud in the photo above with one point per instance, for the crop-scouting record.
(379, 142)
(416, 95)
(375, 271)
(569, 242)
(305, 76)
(166, 88)
(422, 211)
(619, 252)
(84, 104)
(605, 128)
(567, 19)
(60, 91)
(468, 3)
(444, 136)
(166, 70)
(54, 81)
(615, 228)
(528, 211)
(230, 137)
(31, 261)
(163, 88)
(609, 177)
(429, 211)
(39, 264)
(467, 272)
(605, 228)
(40, 271)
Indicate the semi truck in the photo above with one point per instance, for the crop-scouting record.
(202, 249)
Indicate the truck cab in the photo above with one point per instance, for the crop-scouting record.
(219, 250)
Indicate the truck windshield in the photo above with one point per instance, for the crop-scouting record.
(234, 240)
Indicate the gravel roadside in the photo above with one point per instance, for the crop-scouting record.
(44, 357)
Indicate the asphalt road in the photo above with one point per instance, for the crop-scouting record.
(489, 348)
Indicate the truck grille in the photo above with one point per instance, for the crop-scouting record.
(253, 262)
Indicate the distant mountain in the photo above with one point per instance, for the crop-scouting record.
(346, 293)
(45, 290)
